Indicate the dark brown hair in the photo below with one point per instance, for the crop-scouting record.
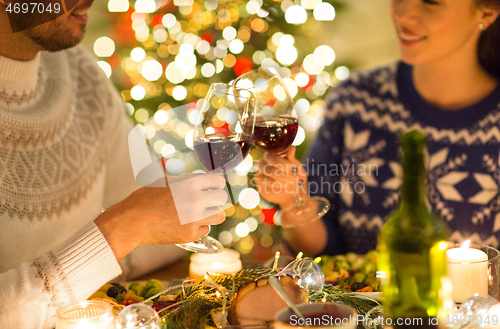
(489, 42)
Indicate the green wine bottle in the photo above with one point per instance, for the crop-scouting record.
(412, 245)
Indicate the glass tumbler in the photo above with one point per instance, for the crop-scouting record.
(90, 314)
(473, 271)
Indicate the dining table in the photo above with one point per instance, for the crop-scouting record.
(177, 270)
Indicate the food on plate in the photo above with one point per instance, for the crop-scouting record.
(164, 302)
(352, 271)
(256, 302)
(136, 292)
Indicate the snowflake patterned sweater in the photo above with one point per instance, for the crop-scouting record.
(63, 158)
(354, 161)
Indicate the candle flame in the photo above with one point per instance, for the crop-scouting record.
(466, 244)
(442, 245)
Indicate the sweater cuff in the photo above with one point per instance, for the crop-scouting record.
(87, 261)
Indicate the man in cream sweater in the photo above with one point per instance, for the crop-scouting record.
(63, 158)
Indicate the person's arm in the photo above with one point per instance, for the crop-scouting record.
(321, 236)
(120, 183)
(32, 292)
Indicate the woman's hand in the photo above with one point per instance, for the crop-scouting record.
(179, 213)
(279, 179)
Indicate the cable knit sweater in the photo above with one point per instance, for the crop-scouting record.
(63, 158)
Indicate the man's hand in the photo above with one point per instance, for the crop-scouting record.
(155, 215)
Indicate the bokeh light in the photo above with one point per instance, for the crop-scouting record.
(118, 6)
(342, 72)
(141, 115)
(326, 54)
(302, 106)
(236, 46)
(173, 73)
(249, 198)
(302, 79)
(105, 67)
(138, 54)
(244, 167)
(175, 166)
(296, 15)
(179, 93)
(225, 237)
(152, 70)
(313, 64)
(104, 47)
(252, 223)
(300, 137)
(286, 54)
(324, 12)
(161, 117)
(310, 4)
(229, 33)
(168, 151)
(145, 6)
(242, 230)
(169, 21)
(138, 92)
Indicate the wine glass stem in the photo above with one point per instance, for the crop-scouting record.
(229, 191)
(282, 155)
(298, 200)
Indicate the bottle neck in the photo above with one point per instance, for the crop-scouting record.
(413, 192)
(413, 189)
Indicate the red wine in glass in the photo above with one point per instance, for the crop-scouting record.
(273, 134)
(221, 153)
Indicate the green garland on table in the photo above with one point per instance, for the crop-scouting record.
(334, 294)
(197, 300)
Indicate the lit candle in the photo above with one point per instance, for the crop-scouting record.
(226, 262)
(468, 272)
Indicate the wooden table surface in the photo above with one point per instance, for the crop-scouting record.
(179, 270)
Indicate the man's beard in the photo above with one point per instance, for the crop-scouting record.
(54, 37)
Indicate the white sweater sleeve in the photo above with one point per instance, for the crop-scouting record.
(120, 183)
(71, 272)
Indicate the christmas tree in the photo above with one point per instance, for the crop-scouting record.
(165, 54)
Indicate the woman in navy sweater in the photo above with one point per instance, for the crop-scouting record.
(446, 85)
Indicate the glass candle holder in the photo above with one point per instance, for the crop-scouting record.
(226, 262)
(90, 314)
(473, 271)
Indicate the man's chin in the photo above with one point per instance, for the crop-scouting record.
(57, 39)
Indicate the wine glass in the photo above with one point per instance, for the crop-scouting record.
(275, 128)
(219, 142)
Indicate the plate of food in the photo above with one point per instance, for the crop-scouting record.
(120, 295)
(352, 273)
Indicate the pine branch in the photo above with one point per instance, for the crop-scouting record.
(200, 299)
(334, 294)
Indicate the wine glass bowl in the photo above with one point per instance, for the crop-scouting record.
(218, 140)
(276, 123)
(220, 143)
(274, 130)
